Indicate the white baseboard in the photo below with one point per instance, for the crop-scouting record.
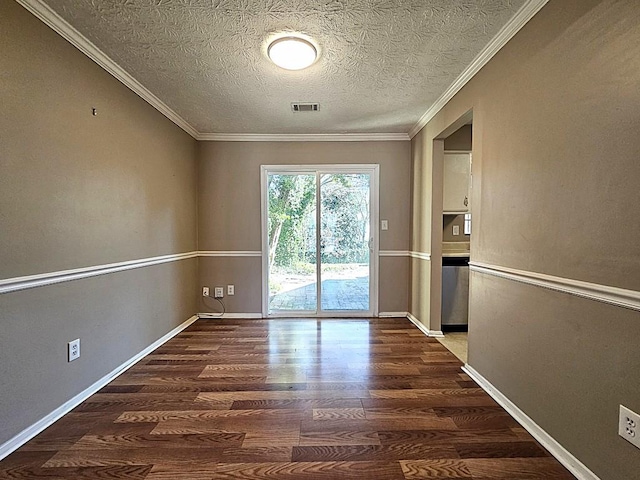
(423, 329)
(27, 434)
(571, 463)
(209, 315)
(393, 314)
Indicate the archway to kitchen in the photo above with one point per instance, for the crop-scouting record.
(451, 238)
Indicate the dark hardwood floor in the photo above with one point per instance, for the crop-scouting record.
(289, 399)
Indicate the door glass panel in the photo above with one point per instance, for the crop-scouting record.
(344, 241)
(291, 226)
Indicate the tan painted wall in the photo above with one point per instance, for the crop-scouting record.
(448, 222)
(115, 316)
(461, 139)
(556, 153)
(567, 362)
(78, 190)
(229, 209)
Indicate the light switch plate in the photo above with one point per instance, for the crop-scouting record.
(456, 229)
(384, 225)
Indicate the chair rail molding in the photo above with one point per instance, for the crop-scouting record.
(601, 293)
(15, 284)
(420, 255)
(229, 253)
(394, 253)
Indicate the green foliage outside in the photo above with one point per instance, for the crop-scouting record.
(292, 219)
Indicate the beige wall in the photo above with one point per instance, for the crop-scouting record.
(461, 139)
(115, 316)
(567, 362)
(448, 222)
(79, 190)
(229, 216)
(556, 153)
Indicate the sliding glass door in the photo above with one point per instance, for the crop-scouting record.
(318, 240)
(292, 245)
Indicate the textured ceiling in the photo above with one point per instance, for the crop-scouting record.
(382, 63)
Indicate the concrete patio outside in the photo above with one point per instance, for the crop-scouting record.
(344, 287)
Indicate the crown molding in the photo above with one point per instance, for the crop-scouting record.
(506, 33)
(73, 36)
(303, 137)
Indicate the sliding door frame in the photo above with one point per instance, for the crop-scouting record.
(374, 220)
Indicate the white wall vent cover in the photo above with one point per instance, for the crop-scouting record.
(305, 107)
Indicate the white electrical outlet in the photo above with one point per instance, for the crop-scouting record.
(218, 292)
(231, 290)
(205, 291)
(74, 350)
(456, 229)
(629, 426)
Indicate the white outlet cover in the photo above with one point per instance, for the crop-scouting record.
(231, 290)
(629, 426)
(74, 350)
(384, 224)
(219, 292)
(456, 229)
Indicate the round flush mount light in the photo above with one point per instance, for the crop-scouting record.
(292, 53)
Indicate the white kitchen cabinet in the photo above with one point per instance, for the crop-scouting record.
(457, 182)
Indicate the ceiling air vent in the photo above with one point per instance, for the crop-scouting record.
(305, 107)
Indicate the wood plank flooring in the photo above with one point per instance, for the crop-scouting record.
(289, 399)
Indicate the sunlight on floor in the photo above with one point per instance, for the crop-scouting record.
(456, 343)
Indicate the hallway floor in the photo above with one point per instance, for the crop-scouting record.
(457, 343)
(289, 399)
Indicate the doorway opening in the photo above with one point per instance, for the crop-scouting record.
(319, 241)
(457, 182)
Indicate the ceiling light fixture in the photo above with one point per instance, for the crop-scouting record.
(292, 53)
